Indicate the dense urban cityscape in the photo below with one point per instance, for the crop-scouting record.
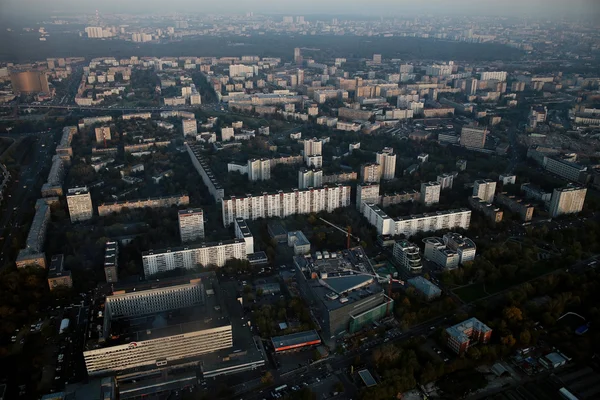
(300, 206)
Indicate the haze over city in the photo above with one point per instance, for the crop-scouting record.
(299, 200)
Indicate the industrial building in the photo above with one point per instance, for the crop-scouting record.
(343, 291)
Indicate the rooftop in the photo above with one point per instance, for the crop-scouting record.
(243, 227)
(55, 270)
(462, 332)
(299, 238)
(425, 286)
(192, 247)
(295, 339)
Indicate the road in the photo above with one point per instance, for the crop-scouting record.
(25, 190)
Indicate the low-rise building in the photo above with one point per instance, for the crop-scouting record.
(518, 206)
(425, 287)
(57, 276)
(111, 262)
(299, 242)
(490, 211)
(467, 333)
(436, 251)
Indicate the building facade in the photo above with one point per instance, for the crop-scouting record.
(407, 254)
(485, 189)
(387, 160)
(79, 201)
(367, 193)
(462, 336)
(567, 200)
(474, 138)
(430, 193)
(191, 224)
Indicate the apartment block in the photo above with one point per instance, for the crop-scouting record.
(485, 189)
(407, 254)
(446, 181)
(205, 254)
(153, 202)
(308, 178)
(102, 134)
(111, 262)
(463, 246)
(33, 253)
(366, 193)
(467, 333)
(259, 169)
(80, 204)
(283, 204)
(407, 196)
(57, 275)
(490, 211)
(430, 193)
(567, 200)
(190, 127)
(387, 160)
(565, 169)
(243, 232)
(471, 137)
(203, 167)
(370, 173)
(517, 206)
(436, 251)
(191, 224)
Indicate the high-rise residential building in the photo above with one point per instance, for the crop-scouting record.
(310, 178)
(474, 138)
(565, 169)
(102, 134)
(463, 246)
(438, 70)
(314, 161)
(29, 82)
(408, 256)
(79, 201)
(370, 173)
(313, 147)
(436, 251)
(387, 159)
(111, 262)
(259, 169)
(297, 56)
(366, 193)
(227, 134)
(376, 58)
(283, 204)
(495, 75)
(568, 200)
(94, 32)
(461, 335)
(190, 128)
(430, 193)
(508, 179)
(446, 181)
(471, 86)
(485, 189)
(191, 224)
(406, 69)
(243, 232)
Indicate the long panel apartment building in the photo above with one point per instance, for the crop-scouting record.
(205, 254)
(206, 173)
(410, 225)
(283, 204)
(153, 202)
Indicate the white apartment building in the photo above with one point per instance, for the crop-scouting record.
(413, 224)
(370, 172)
(495, 75)
(463, 246)
(408, 256)
(366, 193)
(446, 181)
(310, 178)
(102, 134)
(259, 169)
(314, 161)
(567, 200)
(313, 151)
(243, 232)
(204, 254)
(80, 204)
(190, 128)
(191, 224)
(565, 169)
(430, 193)
(438, 70)
(437, 252)
(284, 204)
(387, 159)
(227, 134)
(485, 189)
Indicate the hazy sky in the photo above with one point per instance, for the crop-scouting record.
(307, 7)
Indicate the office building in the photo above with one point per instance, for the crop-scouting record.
(494, 75)
(80, 204)
(102, 134)
(295, 341)
(152, 202)
(259, 169)
(204, 254)
(283, 204)
(310, 178)
(430, 193)
(568, 200)
(485, 189)
(33, 253)
(367, 193)
(191, 224)
(29, 82)
(473, 138)
(299, 242)
(370, 173)
(190, 127)
(407, 254)
(446, 181)
(243, 232)
(57, 276)
(345, 296)
(565, 169)
(425, 287)
(489, 210)
(463, 246)
(387, 160)
(176, 321)
(467, 333)
(517, 206)
(436, 251)
(413, 224)
(111, 262)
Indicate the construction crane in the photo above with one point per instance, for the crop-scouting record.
(347, 231)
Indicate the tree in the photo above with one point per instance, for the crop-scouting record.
(338, 387)
(508, 340)
(525, 338)
(513, 314)
(267, 378)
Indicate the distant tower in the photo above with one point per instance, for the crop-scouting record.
(297, 56)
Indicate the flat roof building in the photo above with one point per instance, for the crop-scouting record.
(79, 201)
(191, 224)
(295, 341)
(57, 276)
(467, 333)
(425, 287)
(408, 255)
(299, 242)
(568, 200)
(111, 262)
(243, 232)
